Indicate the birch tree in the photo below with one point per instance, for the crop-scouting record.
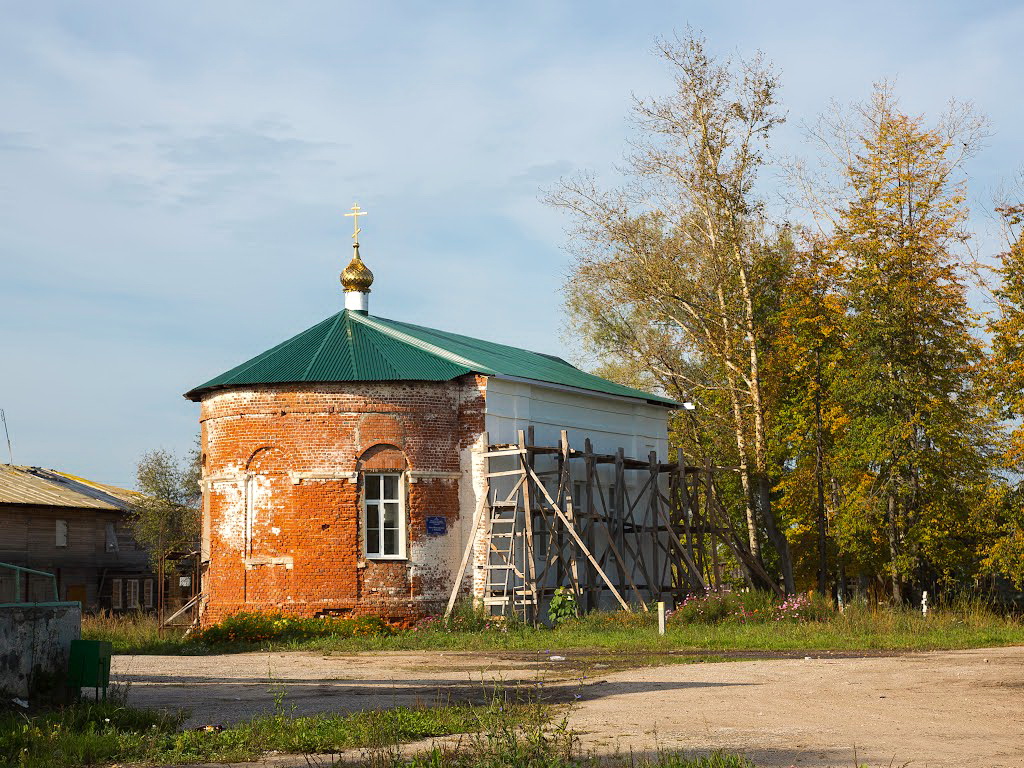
(668, 267)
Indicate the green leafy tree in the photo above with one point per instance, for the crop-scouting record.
(805, 364)
(166, 513)
(915, 448)
(1005, 554)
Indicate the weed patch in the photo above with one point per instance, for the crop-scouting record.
(255, 628)
(106, 732)
(751, 608)
(729, 622)
(542, 740)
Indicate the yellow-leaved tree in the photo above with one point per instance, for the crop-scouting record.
(913, 457)
(1006, 372)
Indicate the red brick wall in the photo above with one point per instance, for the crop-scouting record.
(282, 515)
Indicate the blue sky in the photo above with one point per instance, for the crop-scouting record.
(173, 175)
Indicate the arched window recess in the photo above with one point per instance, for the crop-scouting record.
(385, 523)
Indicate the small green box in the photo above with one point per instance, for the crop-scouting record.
(89, 666)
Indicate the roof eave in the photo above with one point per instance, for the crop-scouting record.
(670, 404)
(196, 395)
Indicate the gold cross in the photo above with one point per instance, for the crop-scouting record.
(356, 213)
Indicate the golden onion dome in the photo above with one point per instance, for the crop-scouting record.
(356, 276)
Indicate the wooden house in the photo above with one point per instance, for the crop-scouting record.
(77, 530)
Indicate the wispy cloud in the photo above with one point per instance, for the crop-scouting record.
(173, 175)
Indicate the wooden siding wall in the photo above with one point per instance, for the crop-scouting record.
(29, 540)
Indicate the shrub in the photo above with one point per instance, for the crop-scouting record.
(562, 607)
(750, 608)
(467, 616)
(801, 608)
(260, 627)
(704, 609)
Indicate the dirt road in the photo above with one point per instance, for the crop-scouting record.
(963, 708)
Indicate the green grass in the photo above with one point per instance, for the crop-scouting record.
(133, 633)
(966, 624)
(524, 735)
(541, 742)
(101, 733)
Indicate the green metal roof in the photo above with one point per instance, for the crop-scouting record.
(352, 346)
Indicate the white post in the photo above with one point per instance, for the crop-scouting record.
(924, 604)
(661, 618)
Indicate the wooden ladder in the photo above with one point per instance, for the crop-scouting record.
(506, 589)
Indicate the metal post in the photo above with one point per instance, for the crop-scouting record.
(661, 617)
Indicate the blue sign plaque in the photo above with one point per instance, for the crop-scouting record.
(437, 526)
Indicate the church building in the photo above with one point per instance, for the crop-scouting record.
(342, 467)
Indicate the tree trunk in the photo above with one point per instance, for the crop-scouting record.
(741, 447)
(740, 432)
(840, 582)
(894, 548)
(160, 595)
(819, 477)
(778, 537)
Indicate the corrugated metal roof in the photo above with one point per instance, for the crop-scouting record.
(111, 493)
(351, 346)
(44, 487)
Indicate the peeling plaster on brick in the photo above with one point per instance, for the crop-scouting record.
(474, 469)
(317, 433)
(231, 521)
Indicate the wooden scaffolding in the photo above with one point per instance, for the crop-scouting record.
(615, 531)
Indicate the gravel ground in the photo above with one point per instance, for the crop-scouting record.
(962, 708)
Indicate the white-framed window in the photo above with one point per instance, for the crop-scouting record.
(384, 516)
(116, 594)
(61, 533)
(133, 594)
(147, 593)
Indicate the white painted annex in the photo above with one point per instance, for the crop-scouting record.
(610, 421)
(512, 405)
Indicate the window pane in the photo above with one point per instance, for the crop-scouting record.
(391, 514)
(373, 528)
(390, 541)
(373, 486)
(391, 487)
